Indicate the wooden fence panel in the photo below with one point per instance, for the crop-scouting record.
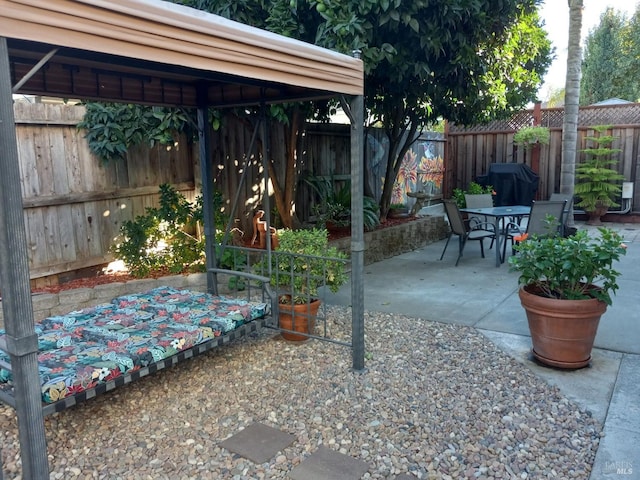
(472, 149)
(74, 205)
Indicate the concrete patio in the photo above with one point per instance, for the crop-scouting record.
(478, 294)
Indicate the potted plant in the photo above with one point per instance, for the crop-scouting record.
(333, 204)
(474, 188)
(303, 263)
(528, 136)
(566, 284)
(598, 185)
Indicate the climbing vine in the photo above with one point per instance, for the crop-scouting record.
(112, 128)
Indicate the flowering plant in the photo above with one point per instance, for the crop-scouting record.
(572, 268)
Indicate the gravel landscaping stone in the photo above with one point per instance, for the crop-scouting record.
(436, 401)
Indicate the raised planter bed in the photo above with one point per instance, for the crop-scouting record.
(397, 239)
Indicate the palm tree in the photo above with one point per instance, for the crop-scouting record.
(571, 99)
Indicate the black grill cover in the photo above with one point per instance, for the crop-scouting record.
(514, 183)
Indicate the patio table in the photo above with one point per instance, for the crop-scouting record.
(499, 213)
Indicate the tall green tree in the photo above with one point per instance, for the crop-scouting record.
(630, 55)
(571, 100)
(603, 75)
(466, 61)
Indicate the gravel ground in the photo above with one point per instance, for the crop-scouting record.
(437, 401)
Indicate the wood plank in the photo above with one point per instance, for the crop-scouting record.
(44, 162)
(108, 226)
(28, 165)
(81, 197)
(80, 225)
(73, 160)
(626, 157)
(63, 267)
(59, 161)
(34, 224)
(52, 234)
(67, 238)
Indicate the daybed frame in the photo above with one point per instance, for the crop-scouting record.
(253, 284)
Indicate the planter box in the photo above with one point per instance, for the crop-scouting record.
(406, 237)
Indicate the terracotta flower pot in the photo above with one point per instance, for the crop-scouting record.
(562, 331)
(595, 217)
(298, 318)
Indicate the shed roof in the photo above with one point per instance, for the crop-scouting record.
(155, 52)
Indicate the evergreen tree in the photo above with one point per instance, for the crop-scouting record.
(606, 62)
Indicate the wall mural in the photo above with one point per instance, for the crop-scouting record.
(422, 169)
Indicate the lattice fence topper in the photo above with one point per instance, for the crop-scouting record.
(625, 114)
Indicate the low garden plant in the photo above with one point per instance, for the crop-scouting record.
(576, 267)
(168, 238)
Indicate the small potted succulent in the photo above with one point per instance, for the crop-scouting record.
(566, 284)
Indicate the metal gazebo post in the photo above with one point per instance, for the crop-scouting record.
(206, 169)
(356, 115)
(21, 341)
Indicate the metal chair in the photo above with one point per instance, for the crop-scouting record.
(558, 197)
(458, 226)
(537, 223)
(479, 200)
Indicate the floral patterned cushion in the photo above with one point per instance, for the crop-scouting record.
(94, 345)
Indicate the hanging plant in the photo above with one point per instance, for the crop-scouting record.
(528, 136)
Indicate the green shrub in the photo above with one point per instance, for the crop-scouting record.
(473, 189)
(167, 238)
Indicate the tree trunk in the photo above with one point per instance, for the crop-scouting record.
(284, 191)
(571, 99)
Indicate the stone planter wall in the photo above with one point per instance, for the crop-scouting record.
(51, 304)
(392, 241)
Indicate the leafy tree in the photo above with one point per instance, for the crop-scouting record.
(602, 73)
(630, 55)
(466, 61)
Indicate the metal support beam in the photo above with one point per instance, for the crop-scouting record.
(266, 203)
(356, 113)
(17, 307)
(204, 153)
(34, 70)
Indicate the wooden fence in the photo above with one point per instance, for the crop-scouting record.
(472, 149)
(74, 205)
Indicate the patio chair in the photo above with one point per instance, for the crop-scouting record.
(537, 222)
(458, 226)
(479, 200)
(558, 197)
